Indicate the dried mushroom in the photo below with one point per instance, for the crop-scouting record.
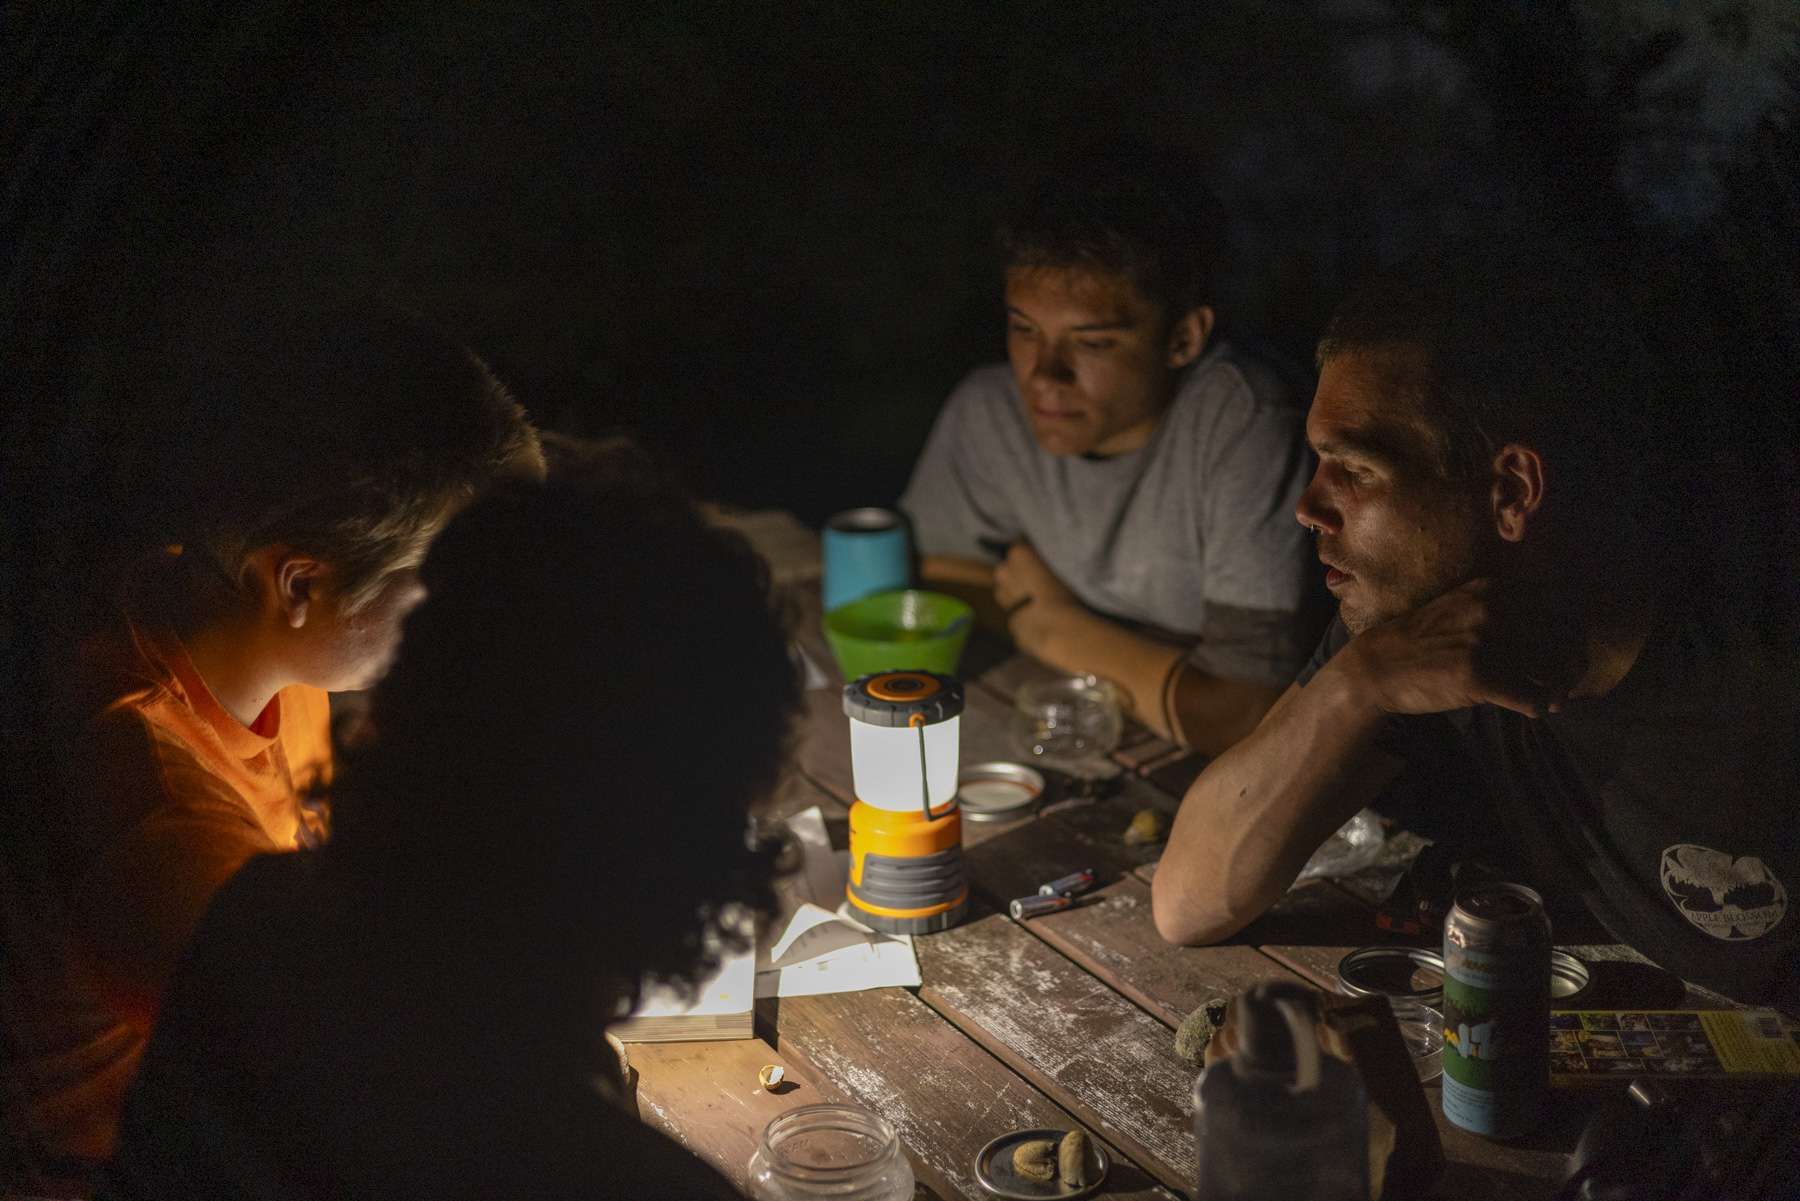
(1197, 1030)
(1035, 1159)
(1071, 1159)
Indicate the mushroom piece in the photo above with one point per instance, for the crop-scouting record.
(1197, 1030)
(1071, 1159)
(1035, 1159)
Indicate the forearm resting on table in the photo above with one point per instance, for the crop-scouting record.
(1210, 712)
(952, 569)
(1258, 811)
(969, 580)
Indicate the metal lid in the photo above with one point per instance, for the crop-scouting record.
(866, 520)
(897, 698)
(1389, 971)
(991, 792)
(1568, 976)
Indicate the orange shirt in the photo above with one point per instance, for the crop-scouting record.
(168, 796)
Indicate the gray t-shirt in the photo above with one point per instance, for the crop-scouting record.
(1192, 535)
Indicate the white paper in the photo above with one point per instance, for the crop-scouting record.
(819, 947)
(824, 870)
(727, 991)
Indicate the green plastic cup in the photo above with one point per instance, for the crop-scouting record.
(899, 631)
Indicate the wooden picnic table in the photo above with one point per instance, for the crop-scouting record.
(1058, 1021)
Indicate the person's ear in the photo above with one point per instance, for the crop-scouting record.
(296, 580)
(1518, 490)
(1188, 335)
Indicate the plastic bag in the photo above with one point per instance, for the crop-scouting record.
(1356, 845)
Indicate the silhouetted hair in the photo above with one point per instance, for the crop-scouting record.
(1528, 342)
(590, 696)
(1119, 208)
(348, 433)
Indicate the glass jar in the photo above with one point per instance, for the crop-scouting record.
(1412, 981)
(837, 1151)
(1069, 721)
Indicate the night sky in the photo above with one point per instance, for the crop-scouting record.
(759, 236)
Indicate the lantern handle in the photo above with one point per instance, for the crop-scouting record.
(917, 722)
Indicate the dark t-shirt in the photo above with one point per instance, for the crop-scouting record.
(1667, 807)
(300, 1054)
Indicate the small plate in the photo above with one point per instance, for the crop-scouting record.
(993, 1167)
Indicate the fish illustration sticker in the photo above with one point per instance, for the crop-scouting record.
(1728, 897)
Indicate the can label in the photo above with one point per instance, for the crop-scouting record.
(1496, 1032)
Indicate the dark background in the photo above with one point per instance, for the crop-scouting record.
(759, 236)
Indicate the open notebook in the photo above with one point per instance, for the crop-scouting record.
(814, 946)
(721, 1008)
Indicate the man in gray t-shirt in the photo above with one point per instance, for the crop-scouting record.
(1127, 483)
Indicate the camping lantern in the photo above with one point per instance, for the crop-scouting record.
(906, 865)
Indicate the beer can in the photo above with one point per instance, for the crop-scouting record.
(1496, 1010)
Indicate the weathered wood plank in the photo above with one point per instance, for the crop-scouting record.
(1145, 752)
(1005, 678)
(1102, 823)
(822, 750)
(1111, 934)
(889, 1052)
(1091, 1051)
(706, 1097)
(795, 793)
(789, 548)
(1012, 861)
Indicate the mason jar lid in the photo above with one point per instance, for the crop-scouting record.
(1568, 976)
(988, 792)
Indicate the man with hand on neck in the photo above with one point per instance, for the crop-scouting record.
(1122, 484)
(1500, 505)
(304, 461)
